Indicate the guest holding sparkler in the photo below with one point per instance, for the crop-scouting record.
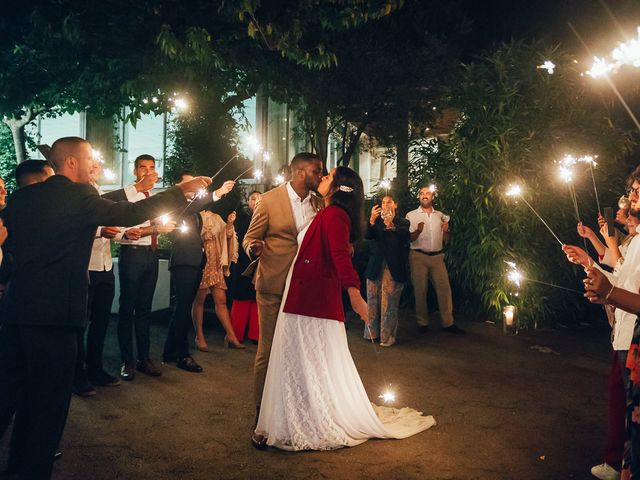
(221, 249)
(310, 355)
(387, 270)
(185, 264)
(625, 277)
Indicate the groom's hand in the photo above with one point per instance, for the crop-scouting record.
(256, 247)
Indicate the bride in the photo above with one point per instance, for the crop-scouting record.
(313, 396)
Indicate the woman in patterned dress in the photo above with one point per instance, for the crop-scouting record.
(221, 249)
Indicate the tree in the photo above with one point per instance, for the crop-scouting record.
(388, 73)
(71, 56)
(515, 121)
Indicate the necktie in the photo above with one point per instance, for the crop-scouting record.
(154, 236)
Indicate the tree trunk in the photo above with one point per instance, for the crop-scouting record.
(17, 124)
(321, 137)
(402, 157)
(352, 139)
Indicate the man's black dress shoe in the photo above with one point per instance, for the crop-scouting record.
(148, 368)
(189, 364)
(259, 441)
(127, 372)
(454, 329)
(83, 388)
(103, 379)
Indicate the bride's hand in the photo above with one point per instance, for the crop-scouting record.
(358, 304)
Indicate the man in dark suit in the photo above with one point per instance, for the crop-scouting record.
(186, 263)
(51, 229)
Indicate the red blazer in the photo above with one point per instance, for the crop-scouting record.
(323, 267)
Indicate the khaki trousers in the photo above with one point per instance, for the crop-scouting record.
(268, 308)
(425, 269)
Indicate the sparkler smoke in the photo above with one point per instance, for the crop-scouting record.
(279, 179)
(109, 174)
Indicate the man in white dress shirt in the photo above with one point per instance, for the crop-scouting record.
(272, 235)
(429, 230)
(138, 274)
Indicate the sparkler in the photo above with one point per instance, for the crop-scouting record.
(549, 66)
(516, 191)
(515, 276)
(279, 179)
(184, 227)
(566, 174)
(433, 188)
(387, 396)
(109, 174)
(386, 184)
(165, 219)
(257, 174)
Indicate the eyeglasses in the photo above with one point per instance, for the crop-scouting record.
(633, 190)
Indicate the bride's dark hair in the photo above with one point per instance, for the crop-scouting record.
(347, 193)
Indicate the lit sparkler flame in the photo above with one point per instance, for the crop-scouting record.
(514, 191)
(514, 275)
(600, 68)
(388, 397)
(549, 66)
(433, 188)
(386, 184)
(201, 193)
(97, 155)
(164, 219)
(253, 144)
(257, 174)
(628, 53)
(279, 179)
(266, 156)
(184, 227)
(109, 174)
(565, 174)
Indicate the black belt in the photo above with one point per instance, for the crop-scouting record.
(431, 254)
(125, 245)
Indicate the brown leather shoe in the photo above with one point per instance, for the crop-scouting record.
(147, 367)
(127, 372)
(259, 441)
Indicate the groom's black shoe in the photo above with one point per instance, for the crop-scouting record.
(189, 364)
(259, 441)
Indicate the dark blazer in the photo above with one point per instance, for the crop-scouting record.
(391, 246)
(51, 228)
(241, 287)
(323, 267)
(187, 248)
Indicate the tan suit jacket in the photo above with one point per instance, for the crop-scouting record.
(273, 222)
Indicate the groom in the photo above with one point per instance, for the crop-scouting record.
(272, 236)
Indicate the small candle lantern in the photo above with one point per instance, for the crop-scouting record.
(509, 320)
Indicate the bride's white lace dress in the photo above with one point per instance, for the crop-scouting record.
(313, 397)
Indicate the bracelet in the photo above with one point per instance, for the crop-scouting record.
(610, 291)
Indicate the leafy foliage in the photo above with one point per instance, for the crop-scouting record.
(515, 121)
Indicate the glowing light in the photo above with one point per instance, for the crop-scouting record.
(279, 179)
(145, 100)
(97, 155)
(388, 397)
(201, 193)
(628, 53)
(257, 174)
(433, 188)
(253, 144)
(266, 156)
(164, 219)
(600, 68)
(386, 184)
(154, 99)
(109, 174)
(514, 191)
(184, 227)
(514, 275)
(180, 104)
(549, 66)
(565, 174)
